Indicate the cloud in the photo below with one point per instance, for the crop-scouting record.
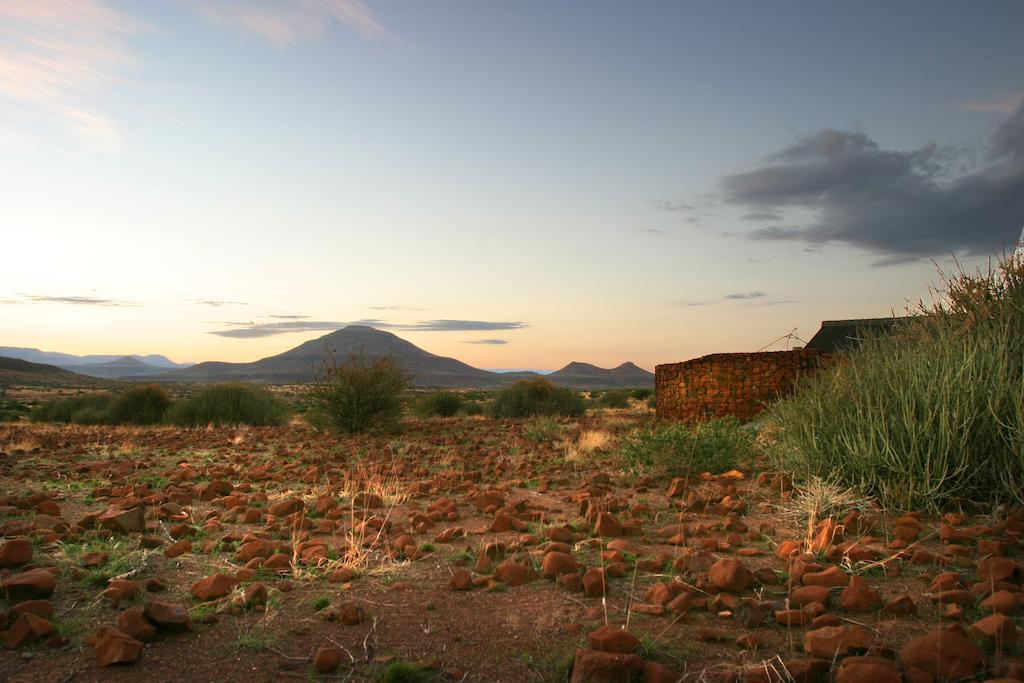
(396, 308)
(55, 54)
(215, 302)
(284, 22)
(901, 205)
(762, 216)
(653, 231)
(494, 342)
(746, 295)
(76, 300)
(1005, 103)
(290, 317)
(662, 205)
(251, 330)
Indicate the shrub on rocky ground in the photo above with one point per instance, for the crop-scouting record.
(142, 405)
(677, 449)
(362, 394)
(230, 404)
(535, 397)
(439, 404)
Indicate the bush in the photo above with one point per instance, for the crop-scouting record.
(472, 408)
(361, 394)
(142, 405)
(440, 404)
(230, 403)
(615, 399)
(85, 409)
(677, 450)
(930, 416)
(542, 430)
(642, 394)
(533, 397)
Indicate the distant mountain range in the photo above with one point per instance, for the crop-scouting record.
(14, 371)
(103, 366)
(306, 361)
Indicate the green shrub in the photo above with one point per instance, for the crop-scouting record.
(403, 672)
(929, 416)
(678, 450)
(230, 404)
(84, 409)
(642, 394)
(472, 408)
(542, 430)
(142, 405)
(615, 399)
(533, 397)
(361, 394)
(439, 404)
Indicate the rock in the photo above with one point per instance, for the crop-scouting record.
(462, 580)
(992, 569)
(996, 629)
(833, 577)
(611, 639)
(730, 575)
(512, 573)
(352, 614)
(806, 595)
(653, 672)
(213, 587)
(607, 525)
(15, 552)
(945, 652)
(864, 669)
(115, 647)
(26, 629)
(255, 594)
(605, 667)
(177, 549)
(127, 521)
(900, 606)
(120, 589)
(133, 622)
(858, 597)
(327, 659)
(832, 641)
(555, 564)
(594, 582)
(287, 506)
(1003, 602)
(34, 583)
(168, 615)
(254, 549)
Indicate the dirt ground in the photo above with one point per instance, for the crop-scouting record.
(431, 548)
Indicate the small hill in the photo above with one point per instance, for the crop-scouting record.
(70, 360)
(126, 366)
(14, 371)
(586, 376)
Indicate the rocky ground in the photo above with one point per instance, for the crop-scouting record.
(468, 549)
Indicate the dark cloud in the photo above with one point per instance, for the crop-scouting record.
(763, 216)
(252, 330)
(753, 299)
(215, 302)
(493, 342)
(746, 295)
(662, 205)
(900, 205)
(77, 300)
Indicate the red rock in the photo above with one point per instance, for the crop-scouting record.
(26, 629)
(15, 552)
(286, 506)
(554, 564)
(833, 577)
(177, 549)
(34, 583)
(133, 622)
(462, 580)
(1003, 602)
(945, 652)
(120, 589)
(864, 669)
(255, 594)
(124, 521)
(993, 569)
(94, 559)
(168, 615)
(730, 575)
(279, 561)
(115, 647)
(829, 532)
(605, 667)
(40, 608)
(788, 549)
(352, 614)
(594, 582)
(327, 659)
(254, 549)
(900, 606)
(653, 672)
(612, 639)
(749, 641)
(996, 629)
(513, 573)
(858, 598)
(607, 525)
(830, 641)
(213, 587)
(805, 595)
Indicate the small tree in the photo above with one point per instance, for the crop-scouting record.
(140, 405)
(533, 397)
(364, 393)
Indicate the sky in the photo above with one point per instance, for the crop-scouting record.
(515, 184)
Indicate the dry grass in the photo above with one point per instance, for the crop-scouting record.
(589, 442)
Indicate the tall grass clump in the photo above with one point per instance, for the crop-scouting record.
(141, 405)
(678, 450)
(614, 399)
(361, 394)
(232, 403)
(439, 404)
(84, 409)
(930, 415)
(536, 397)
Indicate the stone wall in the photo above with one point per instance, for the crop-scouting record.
(738, 384)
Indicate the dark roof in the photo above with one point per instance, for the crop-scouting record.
(842, 335)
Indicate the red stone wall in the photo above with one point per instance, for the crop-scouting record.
(739, 384)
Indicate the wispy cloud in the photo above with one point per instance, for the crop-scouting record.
(663, 205)
(75, 300)
(290, 317)
(284, 22)
(218, 303)
(251, 330)
(746, 295)
(752, 299)
(492, 342)
(396, 308)
(652, 231)
(55, 54)
(1005, 103)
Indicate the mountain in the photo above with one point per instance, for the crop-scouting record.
(124, 367)
(15, 371)
(304, 363)
(68, 360)
(586, 376)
